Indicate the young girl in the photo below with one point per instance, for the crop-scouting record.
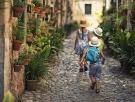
(98, 33)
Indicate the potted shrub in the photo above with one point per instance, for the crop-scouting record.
(34, 71)
(18, 38)
(18, 8)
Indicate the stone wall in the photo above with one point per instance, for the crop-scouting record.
(17, 82)
(2, 31)
(17, 78)
(9, 80)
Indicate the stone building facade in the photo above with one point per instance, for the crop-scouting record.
(91, 10)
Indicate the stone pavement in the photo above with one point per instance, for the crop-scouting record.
(71, 86)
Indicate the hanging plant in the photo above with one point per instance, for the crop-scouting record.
(38, 6)
(29, 37)
(42, 13)
(18, 8)
(37, 9)
(37, 3)
(18, 64)
(18, 38)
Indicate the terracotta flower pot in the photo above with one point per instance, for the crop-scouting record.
(47, 10)
(31, 85)
(26, 61)
(17, 11)
(42, 14)
(29, 38)
(16, 45)
(17, 68)
(37, 9)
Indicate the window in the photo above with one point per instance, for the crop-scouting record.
(88, 9)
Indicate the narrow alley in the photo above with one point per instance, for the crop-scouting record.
(72, 86)
(37, 57)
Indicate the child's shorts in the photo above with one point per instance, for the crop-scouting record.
(95, 70)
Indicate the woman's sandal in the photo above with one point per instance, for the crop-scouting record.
(97, 90)
(80, 70)
(93, 85)
(85, 68)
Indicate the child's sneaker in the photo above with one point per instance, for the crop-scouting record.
(93, 85)
(97, 90)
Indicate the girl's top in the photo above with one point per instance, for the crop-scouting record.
(82, 41)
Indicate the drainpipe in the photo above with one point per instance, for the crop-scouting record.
(117, 11)
(5, 45)
(2, 50)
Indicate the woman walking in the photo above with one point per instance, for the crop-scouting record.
(81, 41)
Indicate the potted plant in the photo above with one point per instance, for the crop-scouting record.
(36, 9)
(18, 64)
(18, 38)
(27, 53)
(38, 5)
(29, 37)
(34, 71)
(18, 8)
(42, 13)
(25, 57)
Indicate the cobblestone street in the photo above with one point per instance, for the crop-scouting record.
(71, 86)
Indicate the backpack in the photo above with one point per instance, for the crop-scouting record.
(93, 55)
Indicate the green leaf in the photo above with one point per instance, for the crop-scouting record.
(128, 35)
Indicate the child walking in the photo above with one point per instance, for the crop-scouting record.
(96, 58)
